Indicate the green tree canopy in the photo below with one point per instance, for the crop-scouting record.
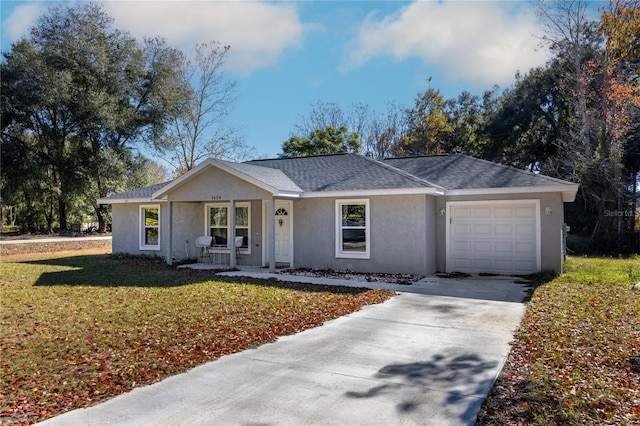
(327, 140)
(427, 126)
(78, 93)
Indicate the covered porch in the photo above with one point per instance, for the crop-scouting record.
(245, 212)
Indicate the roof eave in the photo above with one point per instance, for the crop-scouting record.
(108, 200)
(568, 191)
(372, 192)
(570, 196)
(289, 194)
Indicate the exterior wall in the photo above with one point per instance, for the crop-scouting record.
(123, 222)
(550, 227)
(188, 224)
(126, 229)
(402, 235)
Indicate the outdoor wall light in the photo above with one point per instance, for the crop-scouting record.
(442, 211)
(547, 211)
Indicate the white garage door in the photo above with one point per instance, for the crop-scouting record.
(499, 237)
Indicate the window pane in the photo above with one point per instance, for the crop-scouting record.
(219, 236)
(151, 236)
(151, 217)
(218, 216)
(354, 240)
(353, 215)
(242, 216)
(244, 233)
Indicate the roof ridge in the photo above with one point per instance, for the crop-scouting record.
(399, 171)
(420, 156)
(298, 158)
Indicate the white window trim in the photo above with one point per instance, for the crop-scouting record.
(142, 226)
(207, 225)
(338, 224)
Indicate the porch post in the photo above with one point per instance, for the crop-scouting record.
(272, 236)
(169, 254)
(231, 243)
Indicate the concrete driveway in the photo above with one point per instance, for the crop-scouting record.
(416, 359)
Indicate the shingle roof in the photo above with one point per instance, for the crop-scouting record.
(459, 171)
(353, 172)
(342, 172)
(270, 176)
(139, 193)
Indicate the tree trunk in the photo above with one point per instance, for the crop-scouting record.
(102, 223)
(62, 213)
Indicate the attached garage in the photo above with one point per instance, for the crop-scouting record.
(500, 236)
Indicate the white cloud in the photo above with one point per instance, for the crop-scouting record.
(482, 43)
(21, 19)
(258, 32)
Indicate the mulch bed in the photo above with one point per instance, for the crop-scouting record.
(404, 279)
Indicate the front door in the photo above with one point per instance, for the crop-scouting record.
(283, 232)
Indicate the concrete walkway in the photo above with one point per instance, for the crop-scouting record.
(498, 288)
(417, 359)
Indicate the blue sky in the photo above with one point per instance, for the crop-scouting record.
(286, 56)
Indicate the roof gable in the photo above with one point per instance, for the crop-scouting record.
(273, 181)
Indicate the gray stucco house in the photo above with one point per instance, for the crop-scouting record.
(415, 215)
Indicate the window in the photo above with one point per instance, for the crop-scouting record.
(219, 225)
(150, 227)
(218, 222)
(352, 229)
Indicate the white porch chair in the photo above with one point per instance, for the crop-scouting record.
(204, 244)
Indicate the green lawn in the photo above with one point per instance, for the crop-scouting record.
(576, 355)
(77, 330)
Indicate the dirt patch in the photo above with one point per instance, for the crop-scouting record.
(10, 251)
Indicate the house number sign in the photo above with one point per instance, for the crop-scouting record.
(216, 197)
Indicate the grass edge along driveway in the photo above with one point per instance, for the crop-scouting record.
(576, 354)
(80, 329)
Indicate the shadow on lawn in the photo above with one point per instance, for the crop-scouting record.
(106, 270)
(464, 379)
